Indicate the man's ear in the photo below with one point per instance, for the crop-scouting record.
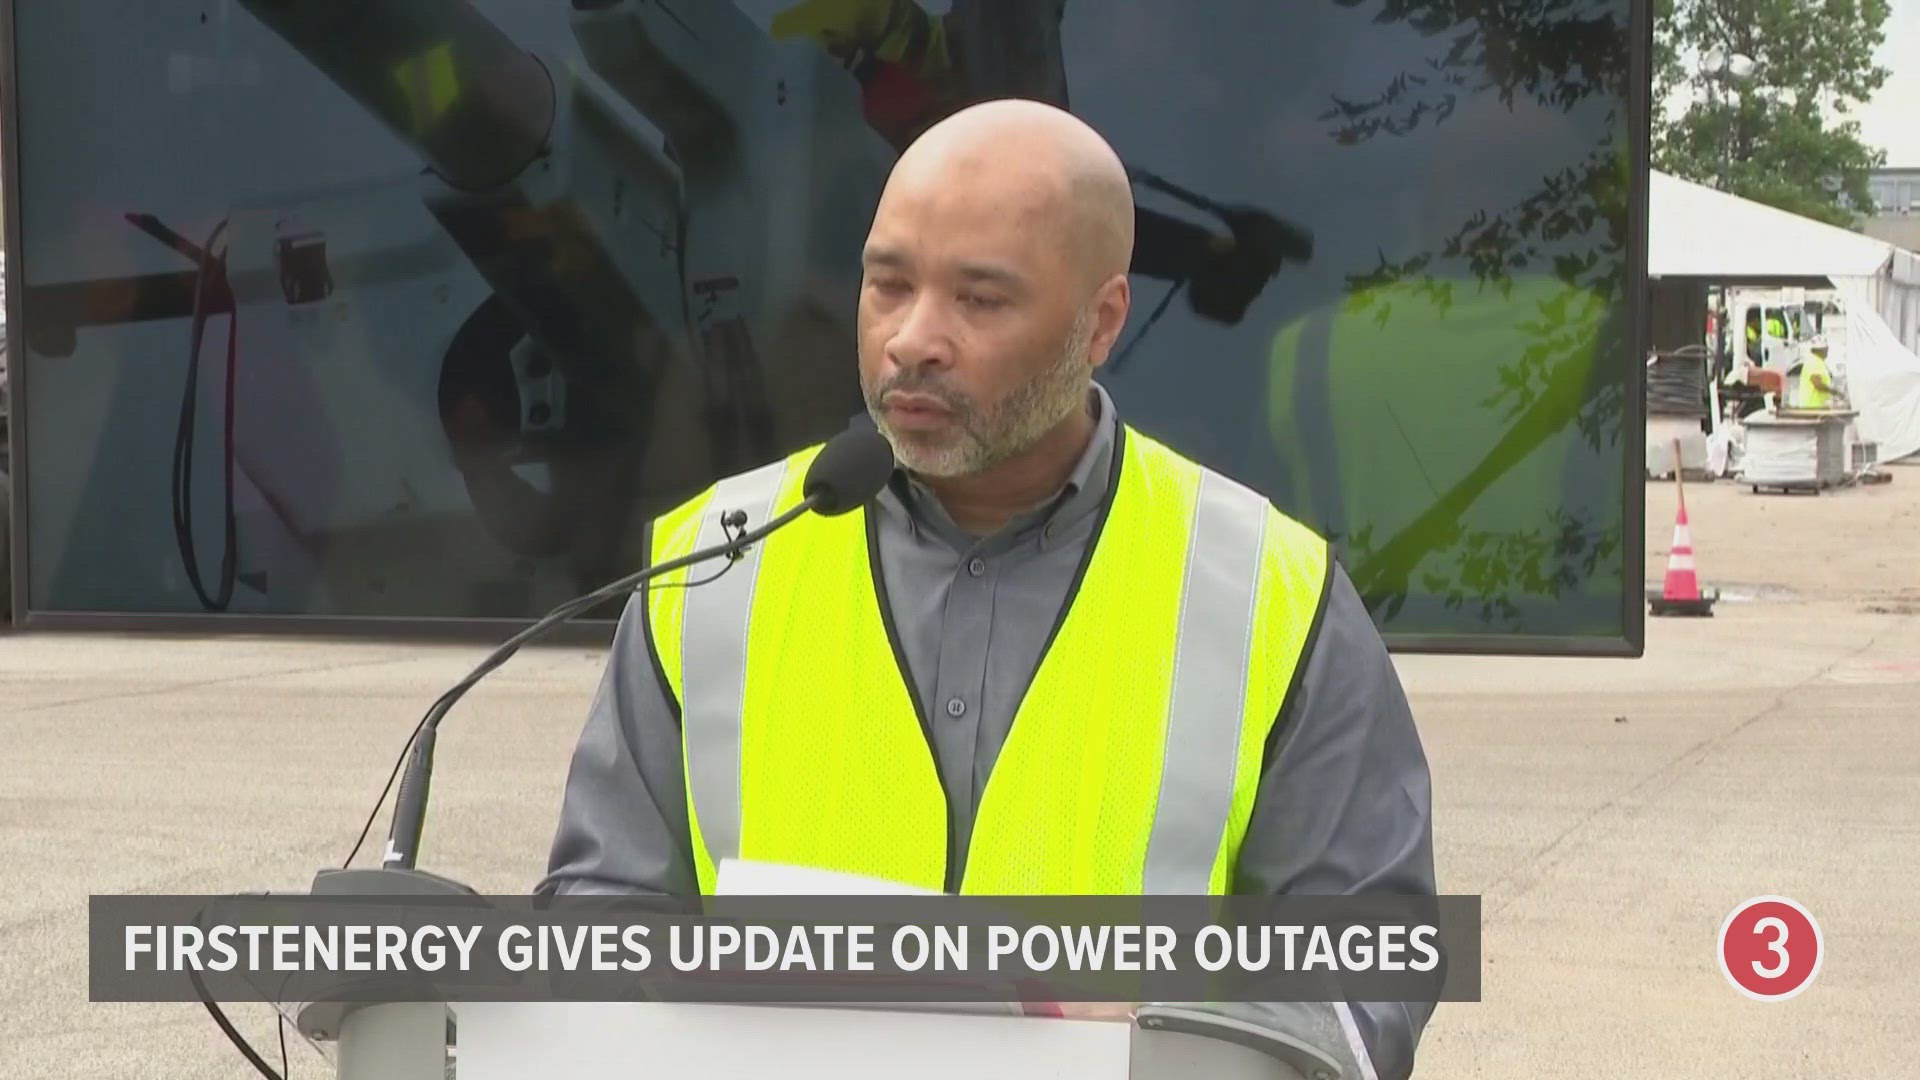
(1111, 303)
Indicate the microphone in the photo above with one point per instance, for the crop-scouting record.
(850, 470)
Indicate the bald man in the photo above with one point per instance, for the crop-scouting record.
(1053, 656)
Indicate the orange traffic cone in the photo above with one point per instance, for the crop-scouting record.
(1681, 594)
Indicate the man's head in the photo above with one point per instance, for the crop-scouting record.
(995, 282)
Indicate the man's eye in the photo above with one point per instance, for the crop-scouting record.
(983, 303)
(888, 286)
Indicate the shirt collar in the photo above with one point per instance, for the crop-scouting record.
(1084, 492)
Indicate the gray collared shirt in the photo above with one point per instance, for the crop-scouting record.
(1343, 804)
(973, 613)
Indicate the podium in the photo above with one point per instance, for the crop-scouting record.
(674, 1040)
(657, 1040)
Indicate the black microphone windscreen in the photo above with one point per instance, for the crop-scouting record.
(849, 470)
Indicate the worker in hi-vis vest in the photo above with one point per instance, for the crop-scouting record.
(1776, 329)
(1423, 423)
(1052, 656)
(1815, 389)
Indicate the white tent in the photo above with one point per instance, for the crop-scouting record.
(1697, 232)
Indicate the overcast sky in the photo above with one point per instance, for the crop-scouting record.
(1892, 121)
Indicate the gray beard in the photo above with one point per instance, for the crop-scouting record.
(987, 437)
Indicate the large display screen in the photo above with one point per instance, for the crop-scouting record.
(420, 308)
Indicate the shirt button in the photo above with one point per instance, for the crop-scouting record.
(956, 708)
(977, 567)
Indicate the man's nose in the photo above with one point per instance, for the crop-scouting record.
(924, 337)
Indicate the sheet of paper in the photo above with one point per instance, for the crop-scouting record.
(744, 877)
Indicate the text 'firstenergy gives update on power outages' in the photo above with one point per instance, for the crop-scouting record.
(815, 947)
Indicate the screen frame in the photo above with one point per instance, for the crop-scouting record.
(1631, 643)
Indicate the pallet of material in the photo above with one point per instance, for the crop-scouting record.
(1794, 453)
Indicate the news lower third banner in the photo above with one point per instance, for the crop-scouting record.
(799, 949)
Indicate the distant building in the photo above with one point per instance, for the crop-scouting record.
(1896, 199)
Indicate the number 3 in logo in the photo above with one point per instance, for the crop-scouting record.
(1778, 946)
(1770, 948)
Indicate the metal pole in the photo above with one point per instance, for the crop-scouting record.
(1733, 136)
(1727, 152)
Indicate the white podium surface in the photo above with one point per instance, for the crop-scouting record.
(567, 1040)
(674, 1040)
(669, 1040)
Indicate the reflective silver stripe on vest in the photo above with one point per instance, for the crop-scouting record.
(1209, 687)
(713, 660)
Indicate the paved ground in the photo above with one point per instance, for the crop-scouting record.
(1611, 812)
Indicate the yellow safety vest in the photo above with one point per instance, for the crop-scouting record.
(1811, 396)
(894, 32)
(1133, 758)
